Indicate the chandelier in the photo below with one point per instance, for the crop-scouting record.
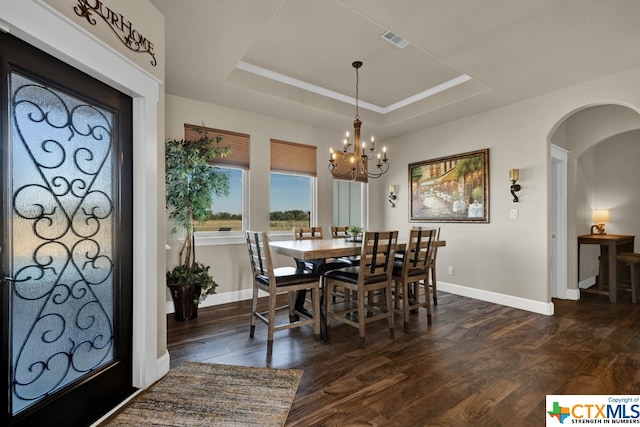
(352, 162)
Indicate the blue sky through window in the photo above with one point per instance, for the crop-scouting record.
(287, 192)
(290, 192)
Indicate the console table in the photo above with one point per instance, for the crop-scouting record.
(610, 245)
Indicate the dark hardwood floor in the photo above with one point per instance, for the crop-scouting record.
(479, 364)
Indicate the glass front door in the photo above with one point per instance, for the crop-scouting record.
(66, 180)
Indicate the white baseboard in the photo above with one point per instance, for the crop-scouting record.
(217, 299)
(494, 297)
(545, 308)
(587, 283)
(572, 294)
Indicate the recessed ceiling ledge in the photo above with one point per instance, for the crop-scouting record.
(291, 81)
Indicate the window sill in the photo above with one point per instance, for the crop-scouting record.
(221, 238)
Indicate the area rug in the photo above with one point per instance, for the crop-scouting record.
(204, 394)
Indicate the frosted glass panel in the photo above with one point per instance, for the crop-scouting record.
(62, 240)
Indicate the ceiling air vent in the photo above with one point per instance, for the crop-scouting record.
(395, 39)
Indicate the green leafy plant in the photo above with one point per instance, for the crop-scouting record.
(191, 183)
(198, 275)
(354, 230)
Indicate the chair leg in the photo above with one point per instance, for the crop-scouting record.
(254, 309)
(635, 275)
(328, 293)
(317, 315)
(293, 317)
(397, 294)
(362, 317)
(405, 305)
(427, 302)
(390, 313)
(434, 285)
(271, 324)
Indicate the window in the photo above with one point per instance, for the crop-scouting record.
(291, 199)
(292, 185)
(227, 213)
(348, 203)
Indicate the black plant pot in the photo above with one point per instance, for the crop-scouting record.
(185, 299)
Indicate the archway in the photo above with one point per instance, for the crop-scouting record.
(596, 138)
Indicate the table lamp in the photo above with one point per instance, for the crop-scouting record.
(599, 216)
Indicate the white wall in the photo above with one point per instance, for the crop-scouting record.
(229, 263)
(611, 172)
(505, 261)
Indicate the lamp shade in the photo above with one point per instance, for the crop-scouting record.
(600, 215)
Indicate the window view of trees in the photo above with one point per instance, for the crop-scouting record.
(290, 203)
(287, 220)
(226, 212)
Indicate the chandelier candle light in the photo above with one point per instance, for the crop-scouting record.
(354, 165)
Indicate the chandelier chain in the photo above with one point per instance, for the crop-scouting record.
(357, 80)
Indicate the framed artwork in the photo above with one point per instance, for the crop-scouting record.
(450, 189)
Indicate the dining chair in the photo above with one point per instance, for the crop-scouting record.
(275, 281)
(370, 279)
(307, 233)
(339, 232)
(320, 265)
(316, 267)
(411, 274)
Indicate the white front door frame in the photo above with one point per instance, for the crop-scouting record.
(558, 238)
(38, 24)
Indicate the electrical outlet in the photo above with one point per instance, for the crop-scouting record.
(452, 270)
(513, 213)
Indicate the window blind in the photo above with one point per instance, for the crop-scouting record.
(293, 157)
(239, 143)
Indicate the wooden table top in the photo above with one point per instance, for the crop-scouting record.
(604, 238)
(324, 248)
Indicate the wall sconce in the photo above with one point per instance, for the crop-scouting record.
(392, 195)
(599, 216)
(514, 175)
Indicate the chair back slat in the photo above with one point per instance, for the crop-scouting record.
(260, 254)
(435, 237)
(419, 249)
(378, 248)
(339, 232)
(307, 233)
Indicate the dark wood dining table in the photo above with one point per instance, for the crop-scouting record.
(610, 246)
(324, 249)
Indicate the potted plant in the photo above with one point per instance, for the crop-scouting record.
(190, 185)
(355, 233)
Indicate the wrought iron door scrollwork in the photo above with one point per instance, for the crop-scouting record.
(63, 209)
